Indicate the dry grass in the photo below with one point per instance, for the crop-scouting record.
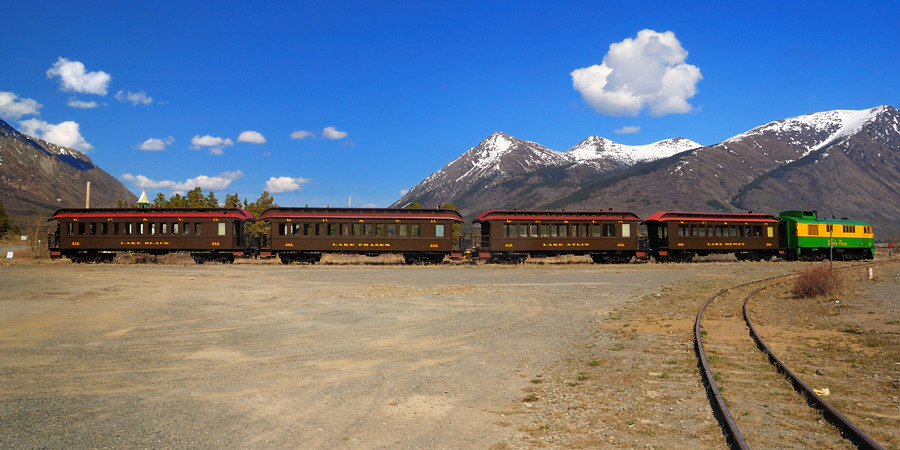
(818, 281)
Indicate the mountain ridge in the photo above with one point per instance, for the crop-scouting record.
(832, 161)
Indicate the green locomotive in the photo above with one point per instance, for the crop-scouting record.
(805, 236)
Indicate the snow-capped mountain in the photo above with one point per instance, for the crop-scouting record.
(484, 172)
(37, 178)
(842, 162)
(598, 150)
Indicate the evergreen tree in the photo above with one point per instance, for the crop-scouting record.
(232, 201)
(6, 224)
(211, 201)
(160, 201)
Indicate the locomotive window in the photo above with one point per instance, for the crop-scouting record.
(404, 230)
(626, 230)
(439, 230)
(813, 230)
(222, 228)
(609, 229)
(414, 230)
(828, 228)
(849, 229)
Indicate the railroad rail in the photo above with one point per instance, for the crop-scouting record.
(733, 433)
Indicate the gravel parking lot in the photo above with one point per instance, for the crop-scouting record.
(265, 355)
(268, 355)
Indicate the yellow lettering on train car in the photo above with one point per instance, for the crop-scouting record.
(288, 244)
(681, 244)
(76, 243)
(508, 245)
(433, 246)
(620, 244)
(215, 243)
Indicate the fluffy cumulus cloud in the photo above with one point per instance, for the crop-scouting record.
(253, 137)
(302, 134)
(73, 77)
(12, 107)
(647, 72)
(155, 145)
(135, 98)
(214, 144)
(216, 183)
(285, 184)
(65, 134)
(333, 133)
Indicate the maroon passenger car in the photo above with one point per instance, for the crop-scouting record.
(512, 235)
(304, 234)
(96, 234)
(679, 236)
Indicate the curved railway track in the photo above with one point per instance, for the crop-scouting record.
(755, 405)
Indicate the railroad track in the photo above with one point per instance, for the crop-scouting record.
(757, 404)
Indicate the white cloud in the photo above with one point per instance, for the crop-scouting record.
(285, 184)
(333, 133)
(253, 137)
(218, 182)
(65, 134)
(74, 78)
(156, 145)
(628, 130)
(213, 143)
(646, 72)
(302, 134)
(13, 109)
(135, 98)
(75, 103)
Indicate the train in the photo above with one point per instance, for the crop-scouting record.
(431, 236)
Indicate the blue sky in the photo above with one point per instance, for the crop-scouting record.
(320, 101)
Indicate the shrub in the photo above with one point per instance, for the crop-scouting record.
(818, 281)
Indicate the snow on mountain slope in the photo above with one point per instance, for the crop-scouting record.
(597, 148)
(812, 132)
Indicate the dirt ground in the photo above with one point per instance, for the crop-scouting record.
(369, 356)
